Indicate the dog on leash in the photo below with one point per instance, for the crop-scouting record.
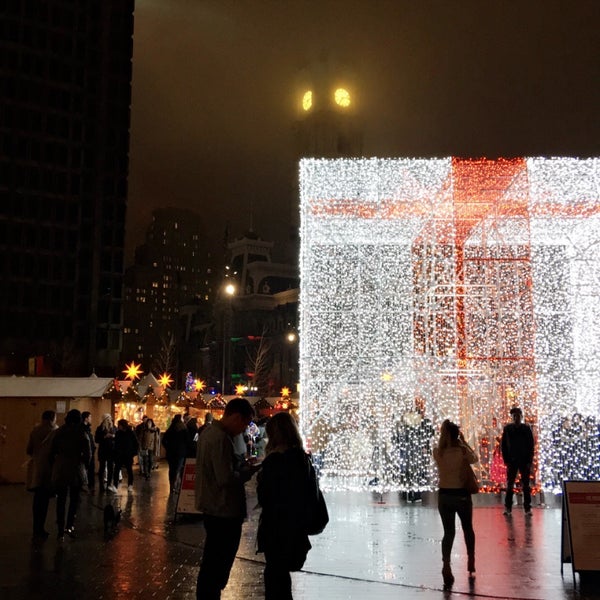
(112, 516)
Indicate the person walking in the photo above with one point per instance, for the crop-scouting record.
(221, 497)
(105, 438)
(175, 441)
(139, 429)
(192, 431)
(517, 453)
(450, 455)
(69, 455)
(86, 421)
(39, 471)
(283, 490)
(149, 444)
(126, 447)
(208, 421)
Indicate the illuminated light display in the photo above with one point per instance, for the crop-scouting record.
(448, 288)
(199, 385)
(132, 371)
(307, 100)
(165, 380)
(342, 97)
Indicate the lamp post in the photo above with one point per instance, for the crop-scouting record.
(289, 374)
(228, 292)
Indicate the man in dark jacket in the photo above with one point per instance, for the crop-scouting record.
(69, 455)
(86, 423)
(517, 452)
(39, 471)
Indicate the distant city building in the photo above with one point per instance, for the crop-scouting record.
(65, 89)
(169, 290)
(258, 324)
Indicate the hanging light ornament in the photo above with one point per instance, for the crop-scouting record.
(165, 380)
(132, 371)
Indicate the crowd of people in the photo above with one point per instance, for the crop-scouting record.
(228, 453)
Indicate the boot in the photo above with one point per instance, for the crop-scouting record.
(447, 575)
(471, 566)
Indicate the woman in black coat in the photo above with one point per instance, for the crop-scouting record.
(175, 442)
(126, 447)
(284, 486)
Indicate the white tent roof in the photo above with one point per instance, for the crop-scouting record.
(147, 380)
(54, 387)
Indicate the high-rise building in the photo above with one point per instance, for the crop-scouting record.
(65, 90)
(169, 290)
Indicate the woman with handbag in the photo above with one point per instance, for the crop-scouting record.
(284, 489)
(453, 456)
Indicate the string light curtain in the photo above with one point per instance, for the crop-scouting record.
(448, 288)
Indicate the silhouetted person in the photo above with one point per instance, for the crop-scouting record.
(39, 471)
(70, 455)
(86, 422)
(221, 497)
(175, 442)
(517, 453)
(126, 447)
(283, 490)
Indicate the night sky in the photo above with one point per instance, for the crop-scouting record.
(215, 85)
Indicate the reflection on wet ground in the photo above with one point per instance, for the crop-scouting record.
(373, 548)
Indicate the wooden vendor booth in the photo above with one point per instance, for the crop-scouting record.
(24, 399)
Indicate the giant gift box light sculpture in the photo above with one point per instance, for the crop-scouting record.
(448, 288)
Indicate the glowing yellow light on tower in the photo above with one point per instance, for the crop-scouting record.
(285, 392)
(132, 371)
(342, 97)
(307, 100)
(199, 385)
(240, 389)
(165, 380)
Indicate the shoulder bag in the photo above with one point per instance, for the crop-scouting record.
(469, 479)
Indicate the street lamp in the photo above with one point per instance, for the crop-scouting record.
(228, 292)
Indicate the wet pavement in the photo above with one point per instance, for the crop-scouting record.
(374, 547)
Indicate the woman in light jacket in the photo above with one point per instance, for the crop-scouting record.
(451, 454)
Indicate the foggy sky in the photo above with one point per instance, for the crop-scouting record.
(215, 84)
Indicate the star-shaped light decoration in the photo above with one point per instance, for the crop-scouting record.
(132, 371)
(386, 376)
(199, 385)
(165, 380)
(285, 392)
(240, 389)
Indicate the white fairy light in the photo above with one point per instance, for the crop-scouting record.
(442, 288)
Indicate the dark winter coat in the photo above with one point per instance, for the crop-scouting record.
(283, 491)
(106, 445)
(90, 436)
(39, 469)
(70, 454)
(517, 444)
(175, 442)
(192, 431)
(126, 445)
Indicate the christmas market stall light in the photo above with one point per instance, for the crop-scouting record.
(448, 288)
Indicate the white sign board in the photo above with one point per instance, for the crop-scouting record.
(187, 492)
(582, 523)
